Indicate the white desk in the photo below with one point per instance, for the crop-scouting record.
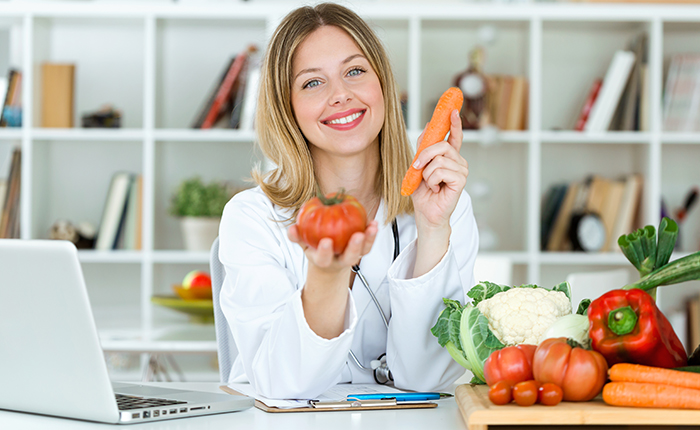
(446, 416)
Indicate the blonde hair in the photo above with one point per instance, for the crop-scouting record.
(292, 182)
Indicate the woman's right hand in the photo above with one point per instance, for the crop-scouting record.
(323, 257)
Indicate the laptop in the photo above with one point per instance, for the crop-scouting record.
(51, 362)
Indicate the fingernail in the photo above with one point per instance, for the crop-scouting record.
(416, 164)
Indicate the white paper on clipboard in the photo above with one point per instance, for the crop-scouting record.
(336, 393)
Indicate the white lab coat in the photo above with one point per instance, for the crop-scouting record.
(278, 352)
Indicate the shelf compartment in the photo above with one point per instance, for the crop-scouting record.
(108, 72)
(508, 54)
(177, 161)
(394, 34)
(581, 52)
(563, 162)
(70, 180)
(680, 38)
(190, 56)
(115, 294)
(679, 174)
(497, 185)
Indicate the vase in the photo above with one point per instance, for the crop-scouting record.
(199, 233)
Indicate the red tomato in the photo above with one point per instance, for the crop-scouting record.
(525, 393)
(512, 363)
(549, 394)
(579, 372)
(337, 216)
(501, 393)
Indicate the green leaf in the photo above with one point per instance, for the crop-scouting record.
(668, 233)
(564, 287)
(444, 328)
(628, 251)
(197, 199)
(583, 307)
(478, 342)
(476, 381)
(485, 290)
(458, 355)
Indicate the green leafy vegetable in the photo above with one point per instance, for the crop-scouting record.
(465, 333)
(485, 290)
(583, 307)
(478, 342)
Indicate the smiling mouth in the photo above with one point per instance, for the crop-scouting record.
(346, 119)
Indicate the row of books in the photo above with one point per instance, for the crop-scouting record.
(121, 223)
(231, 102)
(11, 99)
(9, 198)
(507, 105)
(681, 107)
(615, 201)
(620, 100)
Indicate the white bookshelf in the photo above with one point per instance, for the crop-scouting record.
(156, 62)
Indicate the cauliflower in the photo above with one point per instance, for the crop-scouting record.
(522, 315)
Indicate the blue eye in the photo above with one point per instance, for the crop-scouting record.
(312, 83)
(356, 71)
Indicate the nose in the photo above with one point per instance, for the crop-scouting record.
(340, 93)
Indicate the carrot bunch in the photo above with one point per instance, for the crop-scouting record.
(435, 132)
(652, 387)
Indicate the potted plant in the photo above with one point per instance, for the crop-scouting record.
(199, 207)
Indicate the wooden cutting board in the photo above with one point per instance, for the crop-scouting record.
(479, 413)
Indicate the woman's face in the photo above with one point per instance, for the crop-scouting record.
(336, 96)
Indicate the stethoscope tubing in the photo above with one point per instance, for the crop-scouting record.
(363, 281)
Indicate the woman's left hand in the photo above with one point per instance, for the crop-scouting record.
(444, 177)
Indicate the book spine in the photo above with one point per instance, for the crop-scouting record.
(590, 100)
(224, 91)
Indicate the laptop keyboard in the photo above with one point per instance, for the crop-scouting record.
(125, 402)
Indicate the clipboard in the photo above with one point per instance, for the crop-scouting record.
(343, 405)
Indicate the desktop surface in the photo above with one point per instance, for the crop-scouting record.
(445, 417)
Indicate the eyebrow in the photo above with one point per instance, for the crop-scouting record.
(316, 69)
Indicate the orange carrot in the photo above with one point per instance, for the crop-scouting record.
(435, 132)
(647, 395)
(626, 372)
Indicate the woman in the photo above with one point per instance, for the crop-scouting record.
(329, 117)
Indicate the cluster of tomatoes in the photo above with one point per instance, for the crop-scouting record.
(547, 373)
(526, 393)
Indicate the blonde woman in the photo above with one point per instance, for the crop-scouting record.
(303, 318)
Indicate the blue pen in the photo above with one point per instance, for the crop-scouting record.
(400, 397)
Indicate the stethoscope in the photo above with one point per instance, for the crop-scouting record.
(379, 367)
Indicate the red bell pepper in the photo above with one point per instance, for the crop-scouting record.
(627, 326)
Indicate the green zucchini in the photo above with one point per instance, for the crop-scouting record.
(694, 369)
(680, 270)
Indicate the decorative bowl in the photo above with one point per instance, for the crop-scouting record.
(198, 293)
(200, 311)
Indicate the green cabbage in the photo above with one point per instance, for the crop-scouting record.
(465, 333)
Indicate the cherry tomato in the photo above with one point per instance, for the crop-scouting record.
(549, 394)
(501, 393)
(337, 216)
(525, 393)
(512, 363)
(579, 372)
